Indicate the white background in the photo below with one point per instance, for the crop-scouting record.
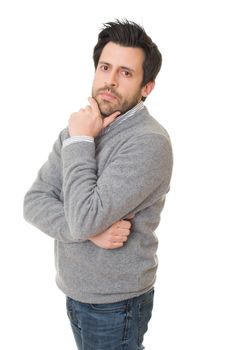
(45, 74)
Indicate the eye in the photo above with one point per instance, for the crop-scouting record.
(126, 73)
(104, 67)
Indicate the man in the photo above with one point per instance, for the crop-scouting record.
(101, 192)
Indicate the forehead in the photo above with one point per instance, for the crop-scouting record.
(117, 55)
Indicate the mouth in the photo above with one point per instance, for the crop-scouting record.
(107, 96)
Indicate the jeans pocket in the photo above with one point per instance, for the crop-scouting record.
(110, 323)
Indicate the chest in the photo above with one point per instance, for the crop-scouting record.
(107, 152)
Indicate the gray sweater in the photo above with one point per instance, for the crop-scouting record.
(84, 188)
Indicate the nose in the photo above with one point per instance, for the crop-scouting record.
(112, 79)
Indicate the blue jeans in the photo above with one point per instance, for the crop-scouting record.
(114, 326)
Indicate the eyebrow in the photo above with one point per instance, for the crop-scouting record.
(122, 67)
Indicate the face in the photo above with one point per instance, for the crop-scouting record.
(118, 78)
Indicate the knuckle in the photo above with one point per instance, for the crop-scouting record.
(126, 232)
(112, 231)
(126, 224)
(121, 223)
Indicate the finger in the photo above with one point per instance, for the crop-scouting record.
(110, 119)
(116, 245)
(121, 232)
(124, 224)
(94, 104)
(122, 239)
(119, 239)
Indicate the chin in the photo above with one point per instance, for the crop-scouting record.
(106, 112)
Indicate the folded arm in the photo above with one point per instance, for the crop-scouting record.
(91, 203)
(44, 209)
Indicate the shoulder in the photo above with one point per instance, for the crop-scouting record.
(148, 148)
(64, 134)
(147, 124)
(145, 130)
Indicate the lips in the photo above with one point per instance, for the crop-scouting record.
(107, 96)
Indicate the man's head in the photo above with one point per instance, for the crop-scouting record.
(127, 63)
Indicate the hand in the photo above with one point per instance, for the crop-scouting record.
(114, 237)
(88, 121)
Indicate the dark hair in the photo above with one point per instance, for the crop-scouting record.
(130, 34)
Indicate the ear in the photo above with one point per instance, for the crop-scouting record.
(146, 90)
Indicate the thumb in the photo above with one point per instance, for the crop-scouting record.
(110, 119)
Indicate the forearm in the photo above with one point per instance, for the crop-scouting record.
(46, 212)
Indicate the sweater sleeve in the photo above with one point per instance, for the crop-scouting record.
(93, 203)
(43, 206)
